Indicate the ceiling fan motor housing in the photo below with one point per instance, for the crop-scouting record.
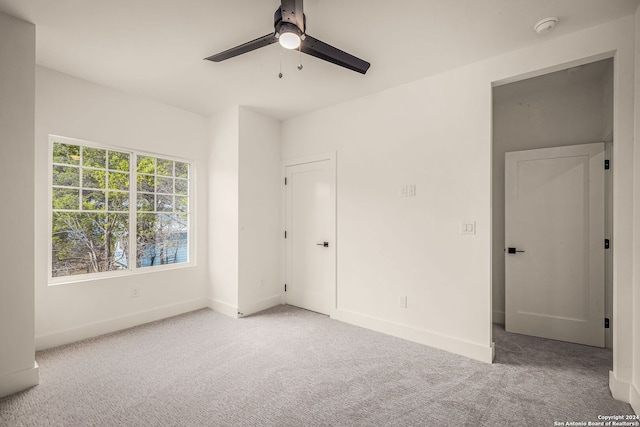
(286, 27)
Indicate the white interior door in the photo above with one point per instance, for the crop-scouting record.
(310, 241)
(554, 214)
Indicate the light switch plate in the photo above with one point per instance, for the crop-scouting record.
(468, 227)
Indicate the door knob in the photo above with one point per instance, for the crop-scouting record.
(323, 244)
(513, 250)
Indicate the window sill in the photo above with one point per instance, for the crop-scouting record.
(55, 281)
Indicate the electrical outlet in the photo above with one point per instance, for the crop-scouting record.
(402, 301)
(135, 292)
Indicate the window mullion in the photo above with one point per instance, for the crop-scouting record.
(80, 180)
(133, 213)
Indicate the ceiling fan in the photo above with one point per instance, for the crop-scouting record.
(290, 31)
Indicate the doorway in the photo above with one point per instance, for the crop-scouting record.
(554, 234)
(310, 244)
(565, 108)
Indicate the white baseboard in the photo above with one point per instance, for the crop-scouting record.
(620, 390)
(116, 324)
(18, 381)
(624, 391)
(634, 399)
(498, 317)
(450, 344)
(260, 305)
(223, 308)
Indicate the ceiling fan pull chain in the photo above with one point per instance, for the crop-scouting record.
(300, 53)
(280, 75)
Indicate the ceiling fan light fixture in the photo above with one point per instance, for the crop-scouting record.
(289, 40)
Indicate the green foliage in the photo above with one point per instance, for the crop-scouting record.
(145, 202)
(145, 183)
(118, 181)
(66, 154)
(119, 161)
(146, 164)
(94, 157)
(118, 201)
(91, 198)
(65, 198)
(86, 241)
(67, 176)
(94, 178)
(164, 167)
(160, 236)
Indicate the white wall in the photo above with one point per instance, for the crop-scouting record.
(436, 133)
(259, 213)
(76, 108)
(390, 246)
(244, 212)
(635, 384)
(223, 211)
(557, 109)
(17, 107)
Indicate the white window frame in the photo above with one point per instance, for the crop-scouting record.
(133, 194)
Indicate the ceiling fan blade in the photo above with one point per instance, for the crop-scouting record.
(293, 12)
(244, 48)
(319, 49)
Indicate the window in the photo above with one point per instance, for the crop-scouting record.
(162, 210)
(95, 227)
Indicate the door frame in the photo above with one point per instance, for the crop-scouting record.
(329, 156)
(621, 219)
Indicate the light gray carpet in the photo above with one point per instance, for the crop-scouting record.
(291, 367)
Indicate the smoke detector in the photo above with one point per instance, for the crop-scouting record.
(545, 25)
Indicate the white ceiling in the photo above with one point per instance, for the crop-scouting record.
(155, 48)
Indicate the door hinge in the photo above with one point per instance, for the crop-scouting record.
(285, 287)
(285, 181)
(285, 234)
(606, 323)
(606, 243)
(607, 166)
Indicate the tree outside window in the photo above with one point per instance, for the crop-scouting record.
(162, 211)
(92, 225)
